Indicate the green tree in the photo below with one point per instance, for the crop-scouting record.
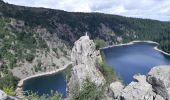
(29, 57)
(89, 91)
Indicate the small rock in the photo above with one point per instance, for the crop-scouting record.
(158, 97)
(117, 88)
(139, 78)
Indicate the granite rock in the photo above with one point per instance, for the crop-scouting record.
(159, 78)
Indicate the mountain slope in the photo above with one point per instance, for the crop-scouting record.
(70, 26)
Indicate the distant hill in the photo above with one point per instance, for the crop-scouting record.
(69, 26)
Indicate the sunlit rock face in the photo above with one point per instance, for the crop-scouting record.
(159, 78)
(84, 56)
(153, 86)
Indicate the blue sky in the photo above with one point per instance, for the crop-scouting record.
(152, 9)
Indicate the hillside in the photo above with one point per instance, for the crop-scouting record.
(70, 26)
(35, 40)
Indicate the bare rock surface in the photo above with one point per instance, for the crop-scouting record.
(158, 97)
(153, 86)
(140, 90)
(117, 88)
(84, 56)
(159, 77)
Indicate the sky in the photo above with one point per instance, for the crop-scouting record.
(151, 9)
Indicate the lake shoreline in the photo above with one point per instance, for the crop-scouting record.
(21, 82)
(137, 41)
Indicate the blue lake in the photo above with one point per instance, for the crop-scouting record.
(129, 60)
(44, 84)
(126, 60)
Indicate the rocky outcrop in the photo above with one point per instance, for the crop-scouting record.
(159, 78)
(154, 86)
(139, 90)
(4, 96)
(117, 88)
(84, 56)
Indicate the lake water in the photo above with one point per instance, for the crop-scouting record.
(129, 60)
(44, 84)
(126, 60)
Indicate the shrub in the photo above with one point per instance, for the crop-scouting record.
(89, 91)
(8, 81)
(10, 91)
(67, 72)
(35, 96)
(99, 43)
(106, 70)
(8, 84)
(29, 57)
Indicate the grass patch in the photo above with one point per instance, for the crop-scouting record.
(106, 70)
(52, 96)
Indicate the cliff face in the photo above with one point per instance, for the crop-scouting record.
(28, 51)
(154, 86)
(84, 56)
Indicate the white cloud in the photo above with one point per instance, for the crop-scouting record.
(153, 9)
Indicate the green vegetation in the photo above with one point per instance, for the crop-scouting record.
(16, 45)
(9, 91)
(29, 57)
(52, 96)
(67, 73)
(38, 67)
(16, 42)
(107, 71)
(99, 43)
(127, 28)
(8, 84)
(89, 91)
(19, 43)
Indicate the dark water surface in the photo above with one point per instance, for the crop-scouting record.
(129, 60)
(44, 84)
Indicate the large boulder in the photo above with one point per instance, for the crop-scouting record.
(158, 97)
(84, 56)
(159, 78)
(138, 90)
